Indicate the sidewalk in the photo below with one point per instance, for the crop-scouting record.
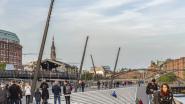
(141, 94)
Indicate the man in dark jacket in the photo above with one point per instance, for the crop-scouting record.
(15, 93)
(45, 93)
(98, 84)
(57, 92)
(83, 86)
(151, 89)
(67, 88)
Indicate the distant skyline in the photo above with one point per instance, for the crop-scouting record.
(145, 29)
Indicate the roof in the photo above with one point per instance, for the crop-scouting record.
(57, 63)
(8, 36)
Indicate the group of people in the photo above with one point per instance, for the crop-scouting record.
(56, 90)
(14, 92)
(11, 93)
(159, 94)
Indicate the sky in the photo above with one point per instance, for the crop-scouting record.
(144, 29)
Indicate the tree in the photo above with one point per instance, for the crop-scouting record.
(87, 76)
(2, 66)
(170, 77)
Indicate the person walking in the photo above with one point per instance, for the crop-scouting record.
(164, 96)
(98, 84)
(15, 93)
(151, 89)
(7, 94)
(57, 92)
(45, 93)
(38, 96)
(21, 87)
(83, 86)
(106, 85)
(117, 84)
(2, 95)
(67, 88)
(27, 93)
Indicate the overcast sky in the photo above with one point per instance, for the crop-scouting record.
(144, 29)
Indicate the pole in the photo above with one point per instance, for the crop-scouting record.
(93, 67)
(8, 52)
(112, 77)
(83, 56)
(35, 78)
(81, 65)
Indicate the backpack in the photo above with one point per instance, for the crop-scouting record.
(68, 89)
(114, 94)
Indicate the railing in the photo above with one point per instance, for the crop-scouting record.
(29, 74)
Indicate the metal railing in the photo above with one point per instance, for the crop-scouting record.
(29, 74)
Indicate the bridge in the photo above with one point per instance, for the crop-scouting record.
(125, 95)
(19, 74)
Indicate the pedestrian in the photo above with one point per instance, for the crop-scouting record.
(7, 101)
(98, 84)
(15, 93)
(164, 96)
(57, 92)
(38, 96)
(67, 88)
(27, 93)
(114, 84)
(45, 93)
(20, 97)
(106, 85)
(80, 85)
(2, 94)
(117, 84)
(151, 88)
(103, 84)
(83, 86)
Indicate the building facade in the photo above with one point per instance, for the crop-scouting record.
(104, 71)
(176, 65)
(10, 49)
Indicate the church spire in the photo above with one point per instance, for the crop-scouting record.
(53, 51)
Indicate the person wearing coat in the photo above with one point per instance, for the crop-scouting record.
(2, 95)
(15, 93)
(38, 96)
(164, 96)
(28, 93)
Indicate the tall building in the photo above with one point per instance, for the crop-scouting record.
(53, 50)
(10, 49)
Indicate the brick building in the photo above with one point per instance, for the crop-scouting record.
(10, 49)
(176, 65)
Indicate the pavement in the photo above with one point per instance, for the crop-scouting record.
(142, 95)
(93, 96)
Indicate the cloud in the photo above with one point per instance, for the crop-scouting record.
(135, 25)
(3, 4)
